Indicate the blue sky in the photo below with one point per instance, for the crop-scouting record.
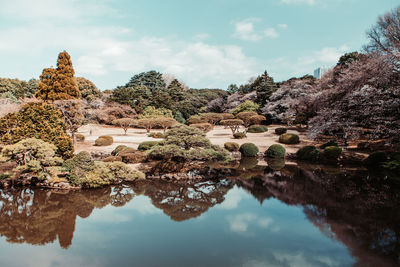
(203, 43)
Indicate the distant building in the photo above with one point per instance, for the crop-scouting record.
(318, 73)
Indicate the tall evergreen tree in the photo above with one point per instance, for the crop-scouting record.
(264, 86)
(59, 84)
(153, 80)
(175, 90)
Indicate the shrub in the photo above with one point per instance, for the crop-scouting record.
(205, 127)
(329, 143)
(146, 145)
(187, 137)
(80, 137)
(280, 130)
(276, 164)
(275, 151)
(376, 158)
(248, 150)
(40, 121)
(104, 140)
(239, 135)
(332, 152)
(257, 129)
(289, 138)
(118, 149)
(231, 146)
(156, 135)
(112, 159)
(248, 105)
(308, 153)
(245, 117)
(132, 156)
(256, 119)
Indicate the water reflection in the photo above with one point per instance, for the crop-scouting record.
(363, 214)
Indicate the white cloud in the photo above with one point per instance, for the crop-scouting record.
(331, 54)
(283, 26)
(240, 222)
(271, 33)
(307, 2)
(244, 30)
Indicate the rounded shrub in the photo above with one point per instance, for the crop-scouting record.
(257, 129)
(332, 152)
(248, 150)
(280, 130)
(239, 135)
(118, 149)
(104, 140)
(310, 153)
(231, 146)
(329, 143)
(156, 135)
(289, 138)
(80, 137)
(376, 158)
(275, 151)
(146, 145)
(276, 164)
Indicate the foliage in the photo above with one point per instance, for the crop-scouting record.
(152, 80)
(256, 119)
(239, 135)
(248, 150)
(275, 151)
(280, 130)
(205, 127)
(231, 146)
(245, 117)
(196, 119)
(257, 129)
(152, 112)
(124, 123)
(105, 113)
(186, 137)
(165, 122)
(332, 152)
(87, 89)
(289, 138)
(329, 143)
(147, 145)
(309, 153)
(232, 88)
(72, 112)
(104, 140)
(264, 86)
(248, 105)
(59, 84)
(176, 91)
(233, 124)
(211, 117)
(14, 88)
(37, 120)
(147, 124)
(156, 135)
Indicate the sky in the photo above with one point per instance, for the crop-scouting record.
(206, 43)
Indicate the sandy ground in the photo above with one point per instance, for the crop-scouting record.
(219, 135)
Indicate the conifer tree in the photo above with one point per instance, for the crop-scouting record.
(175, 90)
(264, 86)
(46, 83)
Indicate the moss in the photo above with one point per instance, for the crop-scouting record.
(280, 130)
(144, 146)
(275, 151)
(231, 146)
(329, 143)
(248, 150)
(118, 149)
(289, 138)
(104, 140)
(239, 135)
(332, 152)
(257, 129)
(376, 158)
(309, 153)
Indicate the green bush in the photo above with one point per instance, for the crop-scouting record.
(329, 143)
(376, 158)
(332, 152)
(289, 138)
(80, 137)
(309, 153)
(104, 140)
(280, 130)
(144, 146)
(275, 151)
(239, 135)
(231, 146)
(257, 129)
(156, 135)
(118, 149)
(248, 150)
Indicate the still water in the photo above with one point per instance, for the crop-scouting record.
(294, 216)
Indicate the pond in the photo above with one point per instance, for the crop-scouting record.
(295, 216)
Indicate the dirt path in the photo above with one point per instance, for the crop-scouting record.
(219, 135)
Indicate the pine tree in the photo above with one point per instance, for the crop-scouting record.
(264, 86)
(175, 90)
(59, 84)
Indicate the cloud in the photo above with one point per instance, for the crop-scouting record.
(307, 2)
(240, 222)
(244, 30)
(271, 33)
(283, 26)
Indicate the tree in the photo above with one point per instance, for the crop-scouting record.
(264, 85)
(88, 90)
(165, 122)
(137, 97)
(146, 123)
(186, 137)
(212, 118)
(59, 84)
(256, 119)
(232, 88)
(72, 112)
(245, 117)
(124, 123)
(233, 124)
(153, 80)
(152, 112)
(176, 91)
(247, 105)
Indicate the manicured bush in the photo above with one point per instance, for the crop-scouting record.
(280, 130)
(146, 145)
(289, 138)
(310, 153)
(239, 135)
(275, 151)
(248, 150)
(118, 149)
(329, 143)
(376, 158)
(156, 135)
(80, 137)
(104, 140)
(332, 152)
(257, 129)
(231, 146)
